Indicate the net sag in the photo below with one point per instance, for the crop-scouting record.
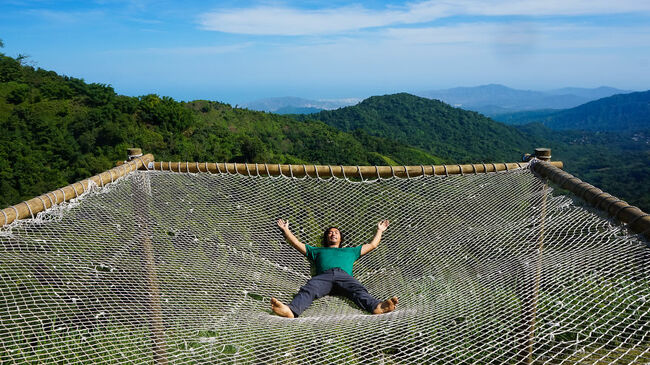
(165, 267)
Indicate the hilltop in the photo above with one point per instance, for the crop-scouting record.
(438, 128)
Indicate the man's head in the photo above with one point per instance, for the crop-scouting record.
(332, 237)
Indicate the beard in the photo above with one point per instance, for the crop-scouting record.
(330, 243)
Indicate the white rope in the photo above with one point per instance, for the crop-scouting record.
(43, 202)
(76, 193)
(29, 209)
(52, 203)
(406, 172)
(459, 253)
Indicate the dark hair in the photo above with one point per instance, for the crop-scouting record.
(324, 241)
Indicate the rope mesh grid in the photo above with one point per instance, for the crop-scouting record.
(463, 254)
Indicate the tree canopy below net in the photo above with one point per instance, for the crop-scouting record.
(173, 267)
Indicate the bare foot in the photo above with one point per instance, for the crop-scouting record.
(386, 306)
(281, 309)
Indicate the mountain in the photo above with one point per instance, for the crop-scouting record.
(623, 112)
(438, 128)
(59, 129)
(497, 99)
(617, 162)
(592, 94)
(295, 105)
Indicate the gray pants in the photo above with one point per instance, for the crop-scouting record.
(332, 281)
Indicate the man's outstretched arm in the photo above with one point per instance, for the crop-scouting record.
(284, 226)
(381, 227)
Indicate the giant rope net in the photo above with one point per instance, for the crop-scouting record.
(166, 267)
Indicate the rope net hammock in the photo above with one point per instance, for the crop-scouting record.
(167, 267)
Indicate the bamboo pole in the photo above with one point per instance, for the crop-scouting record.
(366, 172)
(637, 220)
(36, 205)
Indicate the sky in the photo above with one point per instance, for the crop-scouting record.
(238, 51)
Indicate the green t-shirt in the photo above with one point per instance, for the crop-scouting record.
(326, 258)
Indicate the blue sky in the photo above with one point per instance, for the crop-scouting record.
(237, 51)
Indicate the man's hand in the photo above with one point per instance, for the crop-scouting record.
(381, 227)
(283, 224)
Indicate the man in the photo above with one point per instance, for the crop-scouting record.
(333, 273)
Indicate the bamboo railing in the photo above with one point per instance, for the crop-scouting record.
(636, 219)
(31, 207)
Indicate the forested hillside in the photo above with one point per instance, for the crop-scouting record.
(624, 112)
(452, 133)
(58, 129)
(618, 162)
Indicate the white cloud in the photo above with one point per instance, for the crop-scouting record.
(66, 17)
(281, 20)
(287, 21)
(187, 51)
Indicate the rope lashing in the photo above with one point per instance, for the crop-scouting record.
(29, 209)
(42, 202)
(619, 210)
(637, 218)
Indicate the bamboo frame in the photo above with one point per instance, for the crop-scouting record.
(636, 219)
(365, 172)
(31, 207)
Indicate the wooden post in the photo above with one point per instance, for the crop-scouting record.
(143, 219)
(133, 153)
(530, 295)
(543, 154)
